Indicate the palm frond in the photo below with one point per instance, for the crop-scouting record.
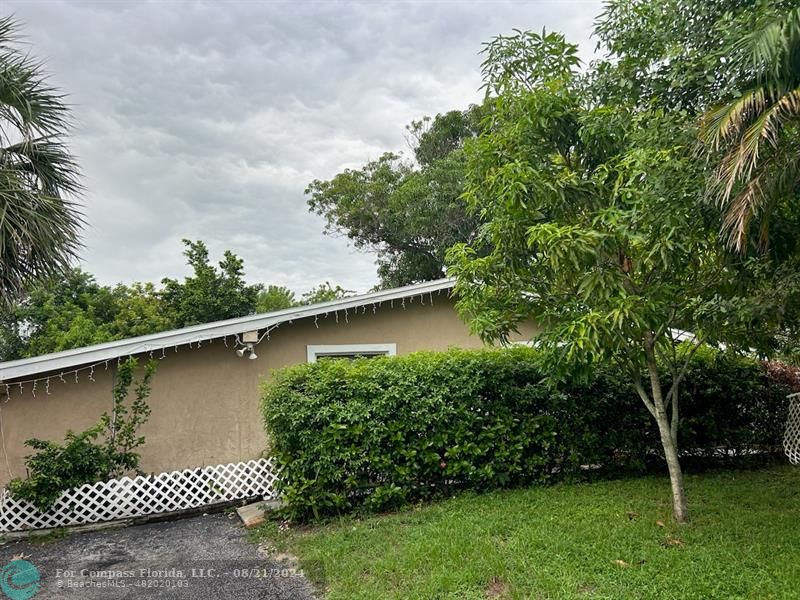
(40, 219)
(737, 166)
(46, 164)
(769, 49)
(9, 31)
(776, 177)
(38, 234)
(752, 127)
(27, 101)
(723, 122)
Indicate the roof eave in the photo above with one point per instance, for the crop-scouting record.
(99, 353)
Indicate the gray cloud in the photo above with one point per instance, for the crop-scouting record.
(207, 120)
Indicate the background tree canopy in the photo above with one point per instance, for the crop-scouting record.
(675, 54)
(408, 211)
(733, 61)
(211, 294)
(325, 292)
(75, 311)
(694, 61)
(275, 297)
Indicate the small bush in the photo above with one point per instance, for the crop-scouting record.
(375, 434)
(56, 467)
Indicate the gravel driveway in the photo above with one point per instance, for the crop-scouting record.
(206, 557)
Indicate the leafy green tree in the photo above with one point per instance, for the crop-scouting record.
(731, 64)
(325, 292)
(138, 310)
(39, 179)
(409, 212)
(275, 297)
(77, 311)
(595, 228)
(210, 294)
(759, 129)
(433, 139)
(672, 54)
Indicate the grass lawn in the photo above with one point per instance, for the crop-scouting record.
(611, 539)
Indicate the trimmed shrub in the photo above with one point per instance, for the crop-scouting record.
(376, 434)
(730, 407)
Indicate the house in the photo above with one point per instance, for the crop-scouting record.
(206, 391)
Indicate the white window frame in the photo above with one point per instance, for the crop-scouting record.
(527, 343)
(315, 351)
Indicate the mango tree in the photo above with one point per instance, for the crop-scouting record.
(595, 227)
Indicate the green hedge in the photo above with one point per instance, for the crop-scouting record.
(375, 434)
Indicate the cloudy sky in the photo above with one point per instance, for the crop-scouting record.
(207, 120)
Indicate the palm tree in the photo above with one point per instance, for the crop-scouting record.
(758, 132)
(39, 217)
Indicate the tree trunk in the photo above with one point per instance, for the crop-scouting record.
(680, 509)
(668, 431)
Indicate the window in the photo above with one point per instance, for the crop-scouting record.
(315, 353)
(528, 343)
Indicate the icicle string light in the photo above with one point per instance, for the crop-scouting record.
(75, 373)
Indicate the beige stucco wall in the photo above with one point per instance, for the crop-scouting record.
(205, 401)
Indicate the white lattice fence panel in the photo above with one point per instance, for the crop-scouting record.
(146, 495)
(791, 439)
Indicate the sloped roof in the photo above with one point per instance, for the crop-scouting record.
(60, 361)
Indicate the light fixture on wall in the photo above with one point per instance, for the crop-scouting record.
(249, 339)
(240, 352)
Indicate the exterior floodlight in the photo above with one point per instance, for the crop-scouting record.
(240, 352)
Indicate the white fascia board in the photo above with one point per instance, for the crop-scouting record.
(67, 359)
